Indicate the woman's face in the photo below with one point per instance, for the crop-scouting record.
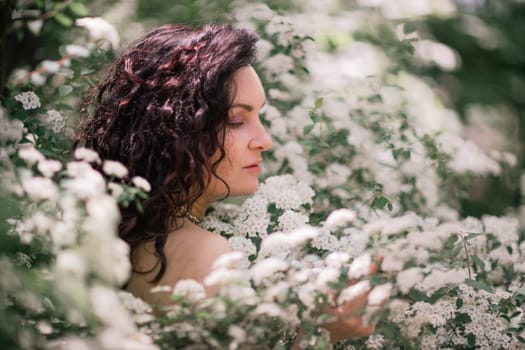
(245, 139)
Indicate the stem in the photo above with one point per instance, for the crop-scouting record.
(468, 255)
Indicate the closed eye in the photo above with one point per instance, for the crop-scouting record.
(235, 125)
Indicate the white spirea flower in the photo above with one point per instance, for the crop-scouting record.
(269, 309)
(103, 212)
(360, 266)
(277, 244)
(255, 205)
(237, 333)
(379, 294)
(141, 183)
(355, 290)
(48, 167)
(337, 174)
(223, 276)
(115, 338)
(71, 262)
(100, 29)
(325, 241)
(242, 293)
(326, 276)
(301, 235)
(400, 224)
(115, 189)
(214, 224)
(39, 188)
(77, 51)
(161, 289)
(375, 342)
(278, 64)
(50, 66)
(336, 259)
(291, 220)
(408, 278)
(137, 306)
(55, 120)
(242, 244)
(114, 168)
(30, 154)
(119, 263)
(190, 289)
(228, 260)
(29, 100)
(87, 155)
(340, 217)
(267, 268)
(437, 279)
(10, 129)
(85, 182)
(37, 78)
(107, 307)
(252, 225)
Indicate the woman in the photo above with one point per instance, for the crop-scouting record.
(181, 108)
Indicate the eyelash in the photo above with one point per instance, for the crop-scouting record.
(237, 122)
(235, 125)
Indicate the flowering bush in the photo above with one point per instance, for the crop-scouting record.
(367, 167)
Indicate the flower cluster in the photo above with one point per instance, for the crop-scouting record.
(29, 100)
(70, 216)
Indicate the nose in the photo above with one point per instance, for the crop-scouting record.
(261, 140)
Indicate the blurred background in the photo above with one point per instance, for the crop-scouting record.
(469, 52)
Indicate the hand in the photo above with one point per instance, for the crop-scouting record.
(349, 322)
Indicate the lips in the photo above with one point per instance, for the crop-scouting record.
(254, 165)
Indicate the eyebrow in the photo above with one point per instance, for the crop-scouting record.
(245, 106)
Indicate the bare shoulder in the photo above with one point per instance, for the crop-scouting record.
(190, 253)
(195, 241)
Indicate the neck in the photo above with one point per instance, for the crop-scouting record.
(198, 208)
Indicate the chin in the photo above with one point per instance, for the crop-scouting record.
(245, 191)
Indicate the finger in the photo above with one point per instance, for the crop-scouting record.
(353, 307)
(373, 268)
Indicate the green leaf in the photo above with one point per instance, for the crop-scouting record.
(78, 9)
(451, 240)
(459, 303)
(315, 118)
(380, 202)
(478, 262)
(65, 90)
(408, 28)
(63, 20)
(472, 236)
(471, 339)
(417, 295)
(318, 102)
(375, 99)
(462, 318)
(308, 128)
(438, 294)
(478, 285)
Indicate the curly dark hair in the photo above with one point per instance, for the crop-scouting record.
(161, 111)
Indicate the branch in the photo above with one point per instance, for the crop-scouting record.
(43, 15)
(42, 69)
(468, 254)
